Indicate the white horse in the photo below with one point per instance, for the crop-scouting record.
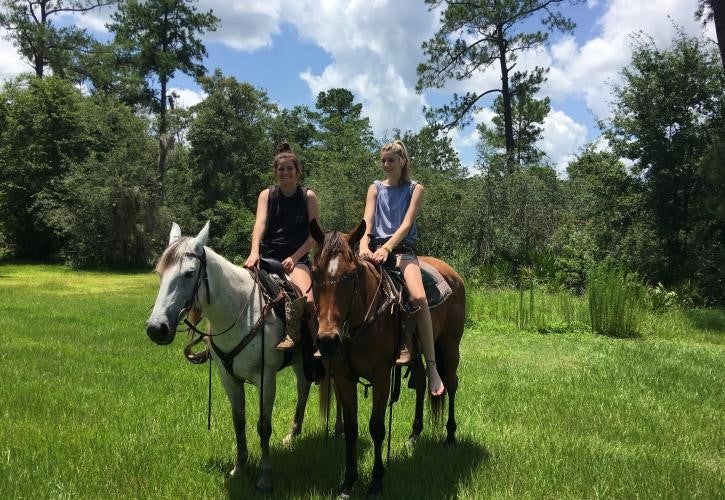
(193, 275)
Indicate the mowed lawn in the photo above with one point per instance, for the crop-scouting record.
(91, 408)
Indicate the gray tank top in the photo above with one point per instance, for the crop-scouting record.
(391, 205)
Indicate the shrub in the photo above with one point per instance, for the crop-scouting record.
(615, 301)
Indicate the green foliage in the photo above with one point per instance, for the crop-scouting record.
(666, 116)
(230, 142)
(344, 162)
(160, 37)
(527, 116)
(45, 132)
(615, 302)
(116, 185)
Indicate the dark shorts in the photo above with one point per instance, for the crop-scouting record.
(403, 251)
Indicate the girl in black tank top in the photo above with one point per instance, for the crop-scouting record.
(281, 231)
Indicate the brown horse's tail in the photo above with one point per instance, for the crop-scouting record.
(438, 403)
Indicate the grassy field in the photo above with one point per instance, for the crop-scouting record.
(92, 409)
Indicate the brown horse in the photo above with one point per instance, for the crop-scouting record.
(358, 331)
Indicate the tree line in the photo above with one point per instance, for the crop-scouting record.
(95, 176)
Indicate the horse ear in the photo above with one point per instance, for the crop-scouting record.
(316, 231)
(175, 233)
(200, 240)
(357, 233)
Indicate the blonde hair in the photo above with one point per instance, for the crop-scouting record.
(397, 147)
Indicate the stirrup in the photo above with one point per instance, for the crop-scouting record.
(286, 344)
(404, 357)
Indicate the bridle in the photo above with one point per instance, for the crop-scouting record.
(347, 333)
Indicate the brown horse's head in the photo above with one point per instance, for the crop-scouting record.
(335, 276)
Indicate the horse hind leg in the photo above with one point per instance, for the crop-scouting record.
(450, 354)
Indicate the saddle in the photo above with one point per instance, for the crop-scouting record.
(273, 281)
(279, 289)
(437, 289)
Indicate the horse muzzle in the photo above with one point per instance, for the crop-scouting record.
(160, 333)
(329, 344)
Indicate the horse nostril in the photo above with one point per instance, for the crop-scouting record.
(157, 331)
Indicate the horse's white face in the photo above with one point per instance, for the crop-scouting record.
(177, 287)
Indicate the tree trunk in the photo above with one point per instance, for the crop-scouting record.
(718, 11)
(506, 95)
(164, 142)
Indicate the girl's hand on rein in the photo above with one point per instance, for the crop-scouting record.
(380, 255)
(288, 265)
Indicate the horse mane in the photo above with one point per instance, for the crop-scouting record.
(172, 255)
(334, 244)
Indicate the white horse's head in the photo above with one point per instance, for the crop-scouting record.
(181, 268)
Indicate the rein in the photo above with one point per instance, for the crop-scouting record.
(370, 317)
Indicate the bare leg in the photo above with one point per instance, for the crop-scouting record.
(414, 282)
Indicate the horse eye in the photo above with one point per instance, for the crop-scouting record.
(189, 273)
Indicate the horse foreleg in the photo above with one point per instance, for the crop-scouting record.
(381, 390)
(346, 392)
(339, 428)
(235, 393)
(264, 428)
(303, 392)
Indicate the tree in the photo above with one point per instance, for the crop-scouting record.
(160, 37)
(667, 114)
(714, 10)
(113, 183)
(41, 43)
(44, 132)
(474, 36)
(527, 115)
(343, 163)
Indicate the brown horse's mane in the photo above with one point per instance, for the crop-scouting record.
(172, 255)
(334, 244)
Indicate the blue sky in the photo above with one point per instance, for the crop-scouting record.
(297, 48)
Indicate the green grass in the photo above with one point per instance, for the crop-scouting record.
(92, 409)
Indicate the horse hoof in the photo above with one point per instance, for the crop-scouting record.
(410, 442)
(264, 486)
(236, 472)
(288, 439)
(343, 496)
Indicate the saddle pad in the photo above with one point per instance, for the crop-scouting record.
(437, 289)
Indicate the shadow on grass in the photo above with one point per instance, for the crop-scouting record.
(311, 468)
(707, 319)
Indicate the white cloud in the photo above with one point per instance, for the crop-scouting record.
(589, 70)
(10, 62)
(561, 139)
(247, 25)
(186, 98)
(375, 49)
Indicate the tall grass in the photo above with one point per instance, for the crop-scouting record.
(615, 302)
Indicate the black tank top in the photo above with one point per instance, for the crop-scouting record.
(287, 223)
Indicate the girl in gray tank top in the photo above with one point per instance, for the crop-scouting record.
(391, 208)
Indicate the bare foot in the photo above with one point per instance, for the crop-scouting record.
(435, 384)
